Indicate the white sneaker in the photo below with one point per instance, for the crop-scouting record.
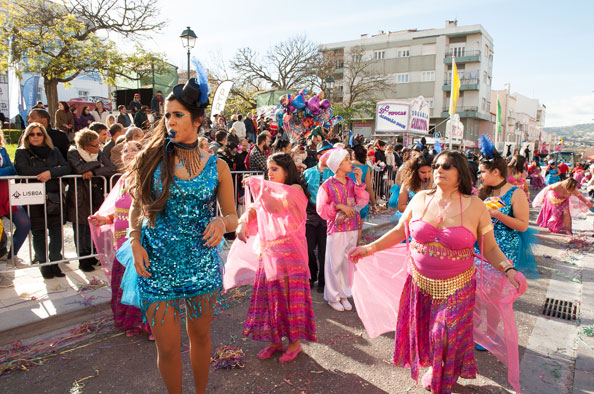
(5, 282)
(346, 304)
(337, 306)
(18, 262)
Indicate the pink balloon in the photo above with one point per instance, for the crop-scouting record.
(314, 104)
(325, 104)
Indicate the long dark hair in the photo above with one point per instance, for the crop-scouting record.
(516, 165)
(496, 163)
(147, 161)
(410, 175)
(65, 105)
(286, 162)
(460, 163)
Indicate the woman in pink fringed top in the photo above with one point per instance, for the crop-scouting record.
(280, 305)
(113, 214)
(435, 319)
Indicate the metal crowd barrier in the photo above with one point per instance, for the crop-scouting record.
(382, 181)
(75, 181)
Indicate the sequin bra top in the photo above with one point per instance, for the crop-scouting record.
(441, 252)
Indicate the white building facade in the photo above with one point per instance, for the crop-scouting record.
(419, 63)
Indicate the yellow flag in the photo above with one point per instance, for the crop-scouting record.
(455, 93)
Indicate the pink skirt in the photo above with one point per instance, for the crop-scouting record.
(280, 308)
(436, 333)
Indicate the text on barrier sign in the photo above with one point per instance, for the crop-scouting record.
(27, 193)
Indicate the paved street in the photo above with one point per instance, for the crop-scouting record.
(555, 355)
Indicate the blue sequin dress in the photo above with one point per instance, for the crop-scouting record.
(516, 245)
(183, 270)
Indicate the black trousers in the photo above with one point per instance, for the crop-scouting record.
(316, 238)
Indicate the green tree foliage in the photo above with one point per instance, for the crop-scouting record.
(61, 41)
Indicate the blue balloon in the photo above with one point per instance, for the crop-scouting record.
(298, 102)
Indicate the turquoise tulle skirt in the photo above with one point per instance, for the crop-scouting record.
(130, 279)
(526, 263)
(393, 203)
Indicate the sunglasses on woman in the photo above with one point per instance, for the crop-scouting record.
(445, 166)
(36, 135)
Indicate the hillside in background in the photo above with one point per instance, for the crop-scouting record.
(578, 130)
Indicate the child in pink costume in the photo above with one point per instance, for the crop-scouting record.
(339, 201)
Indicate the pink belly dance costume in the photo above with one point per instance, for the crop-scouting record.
(435, 322)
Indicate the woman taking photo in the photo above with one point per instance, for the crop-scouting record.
(88, 160)
(416, 176)
(36, 155)
(435, 318)
(510, 214)
(175, 232)
(280, 305)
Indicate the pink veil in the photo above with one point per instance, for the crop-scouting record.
(377, 283)
(575, 204)
(103, 237)
(277, 237)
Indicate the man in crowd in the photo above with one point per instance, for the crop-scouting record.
(135, 104)
(563, 170)
(219, 142)
(250, 128)
(101, 129)
(115, 131)
(257, 155)
(141, 116)
(157, 105)
(59, 138)
(315, 226)
(239, 127)
(124, 117)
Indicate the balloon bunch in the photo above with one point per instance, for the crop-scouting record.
(300, 113)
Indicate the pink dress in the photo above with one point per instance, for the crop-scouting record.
(435, 321)
(280, 305)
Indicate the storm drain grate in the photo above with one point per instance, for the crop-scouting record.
(560, 309)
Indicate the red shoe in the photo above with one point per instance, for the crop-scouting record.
(289, 356)
(269, 350)
(426, 379)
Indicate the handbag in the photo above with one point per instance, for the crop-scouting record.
(53, 204)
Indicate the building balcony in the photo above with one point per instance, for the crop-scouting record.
(465, 84)
(338, 71)
(467, 57)
(466, 112)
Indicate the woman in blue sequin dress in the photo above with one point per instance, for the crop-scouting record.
(510, 222)
(175, 232)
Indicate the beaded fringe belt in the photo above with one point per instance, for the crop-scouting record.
(441, 288)
(437, 250)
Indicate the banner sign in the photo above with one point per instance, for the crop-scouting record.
(419, 116)
(220, 98)
(392, 117)
(26, 193)
(455, 128)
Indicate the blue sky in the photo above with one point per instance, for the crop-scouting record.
(542, 48)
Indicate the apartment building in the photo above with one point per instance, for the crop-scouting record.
(522, 119)
(419, 63)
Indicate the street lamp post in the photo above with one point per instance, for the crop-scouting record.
(188, 38)
(330, 84)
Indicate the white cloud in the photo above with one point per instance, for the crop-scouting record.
(570, 111)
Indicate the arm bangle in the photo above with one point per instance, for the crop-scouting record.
(504, 264)
(509, 268)
(224, 225)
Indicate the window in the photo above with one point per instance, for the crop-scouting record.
(430, 102)
(379, 55)
(339, 63)
(83, 93)
(457, 51)
(357, 58)
(428, 76)
(403, 52)
(402, 78)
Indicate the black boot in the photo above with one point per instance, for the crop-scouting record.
(57, 271)
(47, 272)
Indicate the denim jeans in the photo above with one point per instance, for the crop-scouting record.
(22, 225)
(55, 244)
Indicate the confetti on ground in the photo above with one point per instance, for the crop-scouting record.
(227, 357)
(77, 385)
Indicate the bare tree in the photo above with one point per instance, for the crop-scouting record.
(361, 82)
(287, 65)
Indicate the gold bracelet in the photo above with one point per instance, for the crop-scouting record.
(504, 264)
(371, 248)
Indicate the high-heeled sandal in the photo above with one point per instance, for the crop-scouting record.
(426, 380)
(289, 355)
(269, 350)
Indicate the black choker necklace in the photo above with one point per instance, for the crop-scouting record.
(499, 186)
